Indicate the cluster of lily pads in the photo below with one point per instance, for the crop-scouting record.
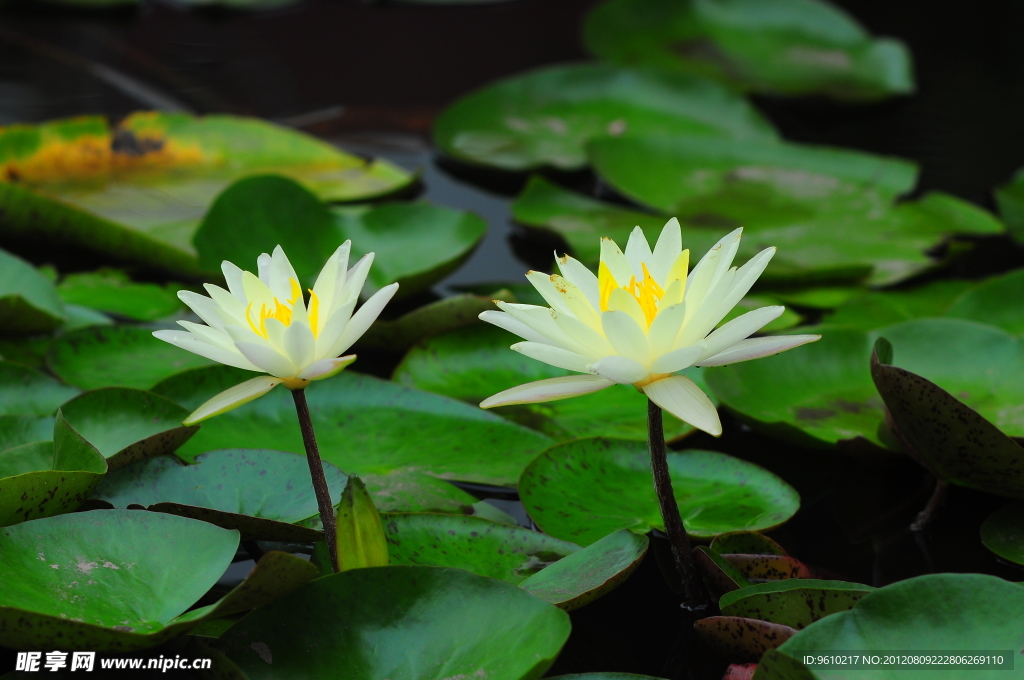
(117, 522)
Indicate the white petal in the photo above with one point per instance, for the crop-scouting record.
(665, 328)
(542, 282)
(626, 337)
(263, 268)
(256, 292)
(740, 328)
(679, 359)
(365, 316)
(551, 389)
(281, 275)
(577, 302)
(189, 342)
(233, 397)
(747, 276)
(299, 344)
(621, 301)
(681, 397)
(622, 370)
(354, 280)
(325, 368)
(666, 250)
(332, 329)
(213, 336)
(581, 277)
(591, 342)
(231, 308)
(616, 262)
(205, 308)
(711, 267)
(553, 356)
(637, 252)
(233, 276)
(542, 321)
(267, 359)
(327, 283)
(755, 348)
(512, 325)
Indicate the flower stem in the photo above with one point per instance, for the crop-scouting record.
(316, 471)
(695, 593)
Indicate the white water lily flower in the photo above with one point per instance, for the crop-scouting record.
(264, 324)
(640, 321)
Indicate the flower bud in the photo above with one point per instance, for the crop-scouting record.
(361, 541)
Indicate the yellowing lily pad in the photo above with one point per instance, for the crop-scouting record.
(583, 490)
(793, 47)
(138, 191)
(364, 425)
(474, 363)
(28, 301)
(116, 356)
(545, 117)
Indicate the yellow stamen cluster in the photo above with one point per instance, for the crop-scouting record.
(283, 312)
(647, 292)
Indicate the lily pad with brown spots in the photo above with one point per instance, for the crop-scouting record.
(746, 542)
(796, 602)
(739, 639)
(719, 574)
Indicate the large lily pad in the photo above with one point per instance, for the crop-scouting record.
(128, 425)
(585, 489)
(474, 363)
(878, 309)
(993, 302)
(782, 46)
(545, 117)
(116, 356)
(1010, 198)
(43, 479)
(794, 197)
(955, 442)
(18, 430)
(112, 291)
(26, 391)
(587, 574)
(400, 623)
(1003, 532)
(364, 426)
(796, 603)
(824, 394)
(28, 300)
(137, 192)
(508, 553)
(934, 612)
(416, 244)
(263, 494)
(409, 490)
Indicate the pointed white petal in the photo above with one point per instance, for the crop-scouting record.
(256, 292)
(681, 397)
(325, 368)
(740, 328)
(665, 328)
(231, 308)
(542, 282)
(354, 280)
(621, 301)
(666, 250)
(281, 275)
(233, 397)
(677, 360)
(542, 321)
(205, 308)
(365, 316)
(616, 262)
(710, 268)
(551, 389)
(512, 325)
(576, 302)
(267, 359)
(263, 268)
(299, 344)
(581, 277)
(622, 370)
(626, 338)
(213, 336)
(189, 342)
(592, 343)
(637, 252)
(755, 348)
(233, 276)
(326, 285)
(553, 356)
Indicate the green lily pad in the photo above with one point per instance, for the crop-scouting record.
(987, 302)
(474, 363)
(43, 479)
(740, 639)
(128, 425)
(545, 117)
(26, 391)
(458, 311)
(364, 425)
(933, 612)
(827, 210)
(793, 47)
(408, 490)
(121, 356)
(508, 553)
(112, 291)
(1003, 532)
(955, 442)
(28, 301)
(878, 309)
(583, 490)
(416, 244)
(1010, 199)
(585, 575)
(747, 543)
(138, 191)
(18, 430)
(823, 393)
(400, 623)
(263, 494)
(105, 579)
(796, 603)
